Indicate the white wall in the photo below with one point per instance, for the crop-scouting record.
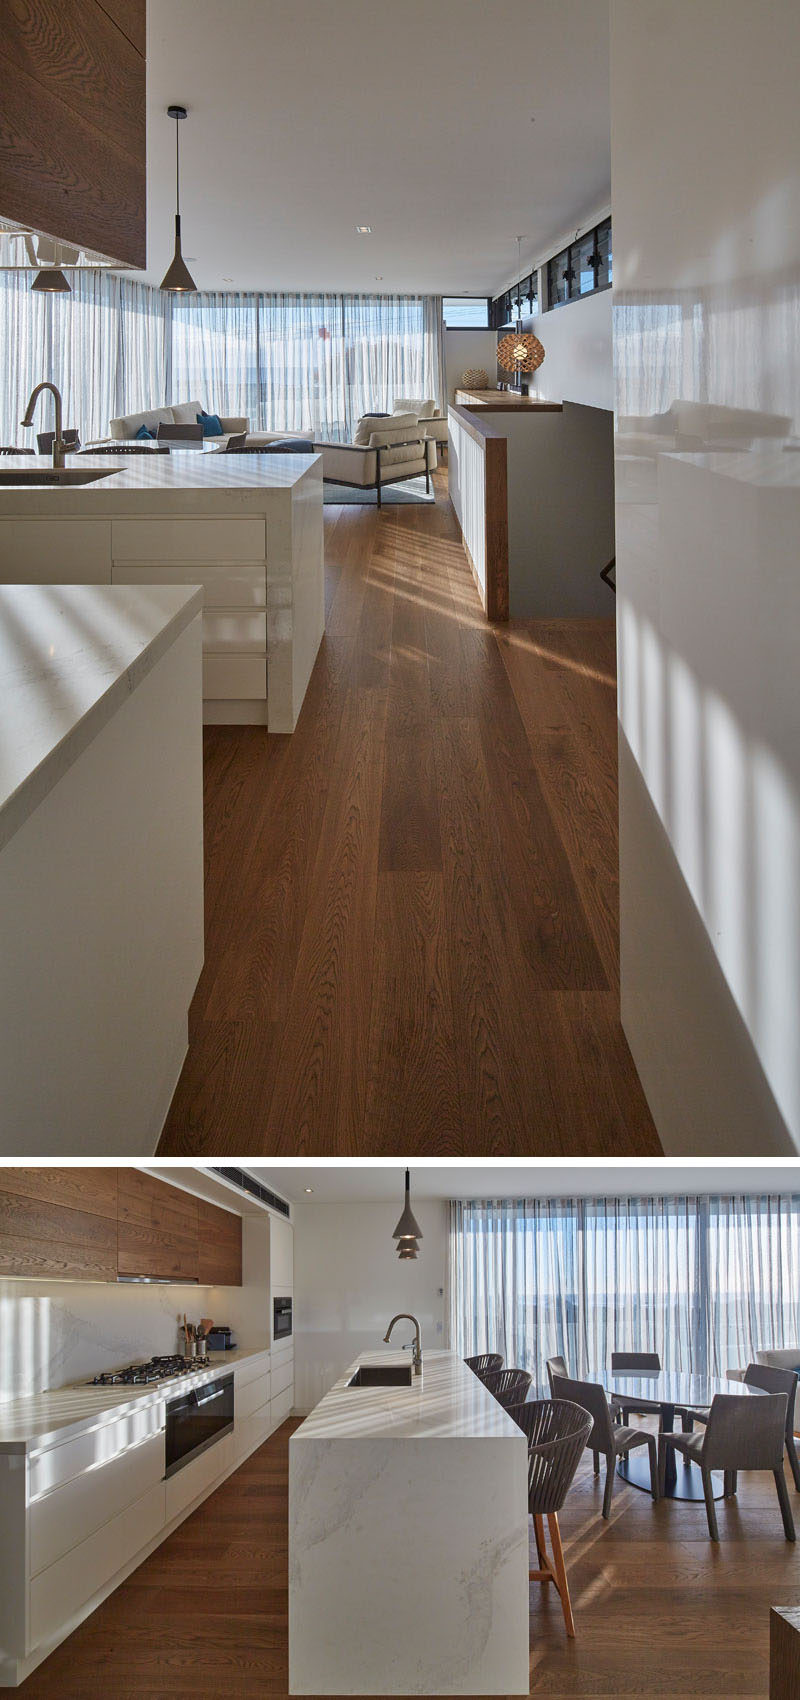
(349, 1283)
(579, 356)
(706, 211)
(463, 349)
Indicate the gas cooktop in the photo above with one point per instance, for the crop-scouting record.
(139, 1375)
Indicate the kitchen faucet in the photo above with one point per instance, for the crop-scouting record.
(59, 447)
(405, 1316)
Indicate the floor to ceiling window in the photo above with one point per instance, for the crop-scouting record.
(706, 1282)
(289, 362)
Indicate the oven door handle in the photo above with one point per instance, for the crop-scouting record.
(208, 1397)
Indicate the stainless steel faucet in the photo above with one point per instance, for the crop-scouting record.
(59, 446)
(405, 1316)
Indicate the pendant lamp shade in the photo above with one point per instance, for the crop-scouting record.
(51, 281)
(408, 1230)
(178, 279)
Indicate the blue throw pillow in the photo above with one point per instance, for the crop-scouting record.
(143, 433)
(290, 446)
(211, 423)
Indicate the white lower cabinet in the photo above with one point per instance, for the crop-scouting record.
(58, 1593)
(78, 1515)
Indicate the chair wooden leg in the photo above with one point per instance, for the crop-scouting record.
(541, 1550)
(596, 1462)
(708, 1490)
(561, 1572)
(783, 1501)
(609, 1487)
(651, 1448)
(794, 1461)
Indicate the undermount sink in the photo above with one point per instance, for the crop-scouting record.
(57, 475)
(381, 1375)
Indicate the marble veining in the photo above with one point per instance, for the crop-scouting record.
(242, 476)
(69, 656)
(415, 1495)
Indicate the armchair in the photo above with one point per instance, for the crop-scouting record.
(386, 450)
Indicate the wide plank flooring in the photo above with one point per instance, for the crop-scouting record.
(659, 1611)
(412, 903)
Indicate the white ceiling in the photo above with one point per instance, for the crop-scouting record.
(355, 1182)
(307, 117)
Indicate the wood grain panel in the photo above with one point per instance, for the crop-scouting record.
(73, 161)
(411, 904)
(42, 1236)
(157, 1228)
(129, 16)
(219, 1235)
(659, 1610)
(90, 1190)
(784, 1654)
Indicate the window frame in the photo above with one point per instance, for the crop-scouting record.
(568, 258)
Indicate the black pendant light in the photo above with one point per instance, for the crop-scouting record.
(408, 1230)
(51, 281)
(178, 279)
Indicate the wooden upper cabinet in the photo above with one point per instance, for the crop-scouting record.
(157, 1228)
(59, 1224)
(220, 1246)
(74, 104)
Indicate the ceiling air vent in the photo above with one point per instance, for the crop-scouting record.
(248, 1183)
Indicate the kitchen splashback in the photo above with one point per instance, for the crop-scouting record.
(52, 1334)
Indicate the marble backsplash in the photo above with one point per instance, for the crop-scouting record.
(52, 1335)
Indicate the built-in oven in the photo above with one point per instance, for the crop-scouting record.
(281, 1319)
(196, 1420)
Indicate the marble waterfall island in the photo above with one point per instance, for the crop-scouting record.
(408, 1538)
(246, 528)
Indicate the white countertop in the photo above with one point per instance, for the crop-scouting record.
(40, 1419)
(70, 655)
(181, 482)
(447, 1402)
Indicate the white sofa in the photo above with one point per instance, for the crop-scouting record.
(185, 413)
(387, 449)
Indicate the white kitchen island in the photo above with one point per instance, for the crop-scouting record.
(101, 862)
(247, 528)
(408, 1538)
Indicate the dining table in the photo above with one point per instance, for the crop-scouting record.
(669, 1394)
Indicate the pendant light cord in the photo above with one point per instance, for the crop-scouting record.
(177, 167)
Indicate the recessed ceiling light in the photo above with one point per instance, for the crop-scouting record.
(309, 1189)
(364, 229)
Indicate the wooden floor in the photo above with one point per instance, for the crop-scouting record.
(659, 1611)
(411, 912)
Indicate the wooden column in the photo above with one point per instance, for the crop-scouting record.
(784, 1653)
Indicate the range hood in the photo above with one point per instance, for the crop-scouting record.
(158, 1280)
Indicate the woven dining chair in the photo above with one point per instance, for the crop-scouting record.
(509, 1386)
(485, 1363)
(556, 1431)
(633, 1363)
(741, 1434)
(612, 1439)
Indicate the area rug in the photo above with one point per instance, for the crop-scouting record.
(392, 495)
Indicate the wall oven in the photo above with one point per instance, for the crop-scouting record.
(281, 1319)
(196, 1420)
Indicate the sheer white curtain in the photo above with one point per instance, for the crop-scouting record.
(288, 362)
(705, 1282)
(104, 345)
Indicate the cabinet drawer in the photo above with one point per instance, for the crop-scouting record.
(253, 1432)
(282, 1376)
(234, 676)
(29, 549)
(71, 1513)
(60, 1464)
(234, 631)
(282, 1354)
(280, 1408)
(234, 586)
(251, 1370)
(60, 1591)
(196, 1477)
(252, 1397)
(188, 542)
